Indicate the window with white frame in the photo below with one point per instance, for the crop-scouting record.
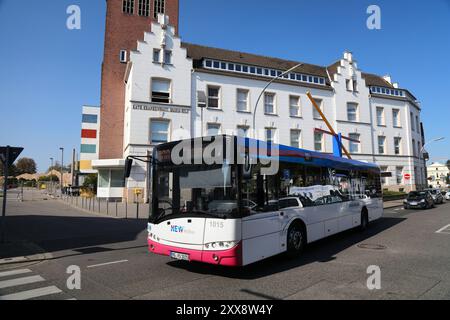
(318, 141)
(295, 138)
(352, 112)
(270, 135)
(316, 114)
(412, 122)
(355, 85)
(213, 129)
(242, 100)
(397, 145)
(242, 131)
(160, 90)
(294, 106)
(396, 117)
(381, 144)
(380, 116)
(269, 103)
(159, 6)
(159, 131)
(157, 55)
(167, 57)
(123, 56)
(128, 6)
(213, 97)
(383, 179)
(399, 175)
(353, 145)
(144, 8)
(348, 84)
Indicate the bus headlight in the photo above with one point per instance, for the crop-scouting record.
(220, 245)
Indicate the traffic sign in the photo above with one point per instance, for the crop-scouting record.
(407, 176)
(10, 156)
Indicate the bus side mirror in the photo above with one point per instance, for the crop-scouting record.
(128, 165)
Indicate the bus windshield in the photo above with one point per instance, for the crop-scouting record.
(197, 190)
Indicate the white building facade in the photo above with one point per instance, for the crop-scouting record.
(177, 90)
(437, 175)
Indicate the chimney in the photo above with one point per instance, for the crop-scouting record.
(395, 84)
(163, 19)
(387, 78)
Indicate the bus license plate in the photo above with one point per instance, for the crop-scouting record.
(179, 256)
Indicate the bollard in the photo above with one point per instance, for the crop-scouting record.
(126, 209)
(116, 208)
(137, 210)
(107, 207)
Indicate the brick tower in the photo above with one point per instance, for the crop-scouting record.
(126, 22)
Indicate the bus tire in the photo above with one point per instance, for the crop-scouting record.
(296, 239)
(364, 219)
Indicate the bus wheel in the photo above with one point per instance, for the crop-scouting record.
(364, 220)
(296, 240)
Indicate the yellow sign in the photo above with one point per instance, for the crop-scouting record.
(137, 191)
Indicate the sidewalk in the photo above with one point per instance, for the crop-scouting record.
(392, 204)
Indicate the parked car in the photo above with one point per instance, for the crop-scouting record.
(419, 200)
(447, 196)
(437, 195)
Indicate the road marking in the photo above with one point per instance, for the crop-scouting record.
(14, 272)
(445, 229)
(107, 263)
(20, 281)
(25, 295)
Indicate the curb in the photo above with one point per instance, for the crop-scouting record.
(24, 261)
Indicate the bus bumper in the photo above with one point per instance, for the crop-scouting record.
(230, 258)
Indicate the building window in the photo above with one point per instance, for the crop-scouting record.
(355, 85)
(398, 145)
(270, 135)
(294, 106)
(295, 138)
(167, 57)
(156, 55)
(242, 131)
(399, 175)
(380, 116)
(419, 149)
(383, 179)
(128, 6)
(348, 84)
(161, 90)
(242, 100)
(414, 147)
(269, 103)
(396, 117)
(89, 118)
(352, 112)
(318, 141)
(353, 145)
(123, 56)
(417, 123)
(159, 7)
(316, 114)
(412, 121)
(144, 8)
(159, 131)
(213, 129)
(213, 97)
(381, 145)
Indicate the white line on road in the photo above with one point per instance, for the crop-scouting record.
(24, 295)
(20, 281)
(14, 272)
(444, 228)
(107, 263)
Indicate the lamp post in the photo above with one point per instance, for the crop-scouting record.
(62, 166)
(51, 176)
(264, 90)
(434, 140)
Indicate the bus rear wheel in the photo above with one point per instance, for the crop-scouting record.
(364, 220)
(296, 240)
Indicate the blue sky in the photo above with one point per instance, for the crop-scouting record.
(48, 72)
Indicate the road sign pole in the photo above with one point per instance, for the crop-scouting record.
(5, 190)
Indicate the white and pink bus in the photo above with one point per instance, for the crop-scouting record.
(233, 213)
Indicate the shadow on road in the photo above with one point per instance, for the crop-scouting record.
(320, 251)
(58, 233)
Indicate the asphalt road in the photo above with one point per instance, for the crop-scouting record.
(112, 255)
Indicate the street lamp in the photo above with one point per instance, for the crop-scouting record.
(51, 176)
(62, 165)
(264, 90)
(434, 140)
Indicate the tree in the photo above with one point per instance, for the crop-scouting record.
(448, 164)
(26, 165)
(57, 167)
